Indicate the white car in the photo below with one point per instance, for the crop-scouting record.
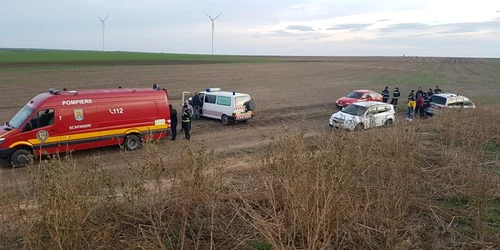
(447, 100)
(226, 106)
(363, 115)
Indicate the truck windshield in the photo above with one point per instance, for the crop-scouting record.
(20, 117)
(240, 100)
(355, 110)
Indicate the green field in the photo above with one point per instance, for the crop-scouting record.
(9, 57)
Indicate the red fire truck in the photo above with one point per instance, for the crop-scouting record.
(60, 121)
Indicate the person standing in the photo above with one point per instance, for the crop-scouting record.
(173, 121)
(186, 122)
(395, 97)
(420, 105)
(411, 105)
(419, 92)
(385, 94)
(196, 106)
(437, 90)
(430, 93)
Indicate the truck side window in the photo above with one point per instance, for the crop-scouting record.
(42, 119)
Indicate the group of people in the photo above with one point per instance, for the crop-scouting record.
(417, 102)
(186, 122)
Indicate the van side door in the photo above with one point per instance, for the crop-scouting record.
(225, 106)
(210, 106)
(78, 126)
(41, 130)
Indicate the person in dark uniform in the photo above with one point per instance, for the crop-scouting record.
(395, 97)
(437, 90)
(173, 121)
(430, 93)
(385, 94)
(186, 122)
(196, 105)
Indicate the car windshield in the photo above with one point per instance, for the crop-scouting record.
(20, 117)
(438, 100)
(355, 110)
(240, 100)
(356, 95)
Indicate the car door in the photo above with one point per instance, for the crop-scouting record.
(42, 130)
(369, 119)
(382, 115)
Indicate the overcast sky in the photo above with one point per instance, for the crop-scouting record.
(259, 27)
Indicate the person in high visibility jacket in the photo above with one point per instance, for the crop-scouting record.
(395, 96)
(186, 121)
(412, 103)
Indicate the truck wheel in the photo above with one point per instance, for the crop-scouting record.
(225, 119)
(132, 142)
(20, 158)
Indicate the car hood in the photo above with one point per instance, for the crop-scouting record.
(343, 116)
(4, 129)
(347, 99)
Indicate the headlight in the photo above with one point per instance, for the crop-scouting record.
(1, 140)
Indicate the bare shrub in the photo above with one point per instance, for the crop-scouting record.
(345, 190)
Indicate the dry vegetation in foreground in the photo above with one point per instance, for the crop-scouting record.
(431, 184)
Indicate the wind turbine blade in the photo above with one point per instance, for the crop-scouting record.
(99, 17)
(217, 16)
(106, 18)
(207, 15)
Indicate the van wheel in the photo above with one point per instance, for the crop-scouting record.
(20, 158)
(388, 123)
(132, 142)
(225, 119)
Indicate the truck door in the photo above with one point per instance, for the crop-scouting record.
(42, 131)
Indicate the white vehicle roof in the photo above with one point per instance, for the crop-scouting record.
(448, 95)
(218, 91)
(370, 103)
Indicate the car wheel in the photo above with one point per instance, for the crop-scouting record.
(132, 142)
(359, 127)
(20, 158)
(225, 119)
(388, 123)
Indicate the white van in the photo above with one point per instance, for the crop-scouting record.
(226, 106)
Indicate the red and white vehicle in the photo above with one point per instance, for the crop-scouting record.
(358, 96)
(61, 121)
(226, 106)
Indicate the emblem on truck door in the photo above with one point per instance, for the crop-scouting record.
(42, 136)
(78, 114)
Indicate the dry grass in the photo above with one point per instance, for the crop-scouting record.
(429, 184)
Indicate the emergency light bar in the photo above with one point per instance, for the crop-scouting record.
(213, 89)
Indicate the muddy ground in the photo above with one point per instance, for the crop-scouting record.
(293, 93)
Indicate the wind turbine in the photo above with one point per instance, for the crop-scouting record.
(103, 27)
(213, 24)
